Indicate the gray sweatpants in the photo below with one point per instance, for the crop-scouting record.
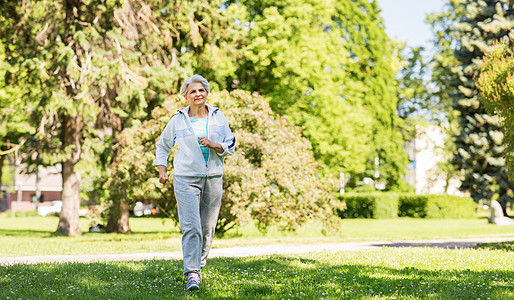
(198, 203)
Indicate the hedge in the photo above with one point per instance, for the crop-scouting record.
(436, 206)
(391, 205)
(369, 205)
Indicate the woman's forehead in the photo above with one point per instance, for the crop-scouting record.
(195, 86)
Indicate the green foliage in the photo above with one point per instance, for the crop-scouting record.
(272, 178)
(464, 33)
(80, 72)
(327, 66)
(435, 206)
(24, 214)
(496, 85)
(415, 98)
(369, 205)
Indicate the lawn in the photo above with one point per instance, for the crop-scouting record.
(385, 273)
(34, 235)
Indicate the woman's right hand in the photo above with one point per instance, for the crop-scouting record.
(163, 176)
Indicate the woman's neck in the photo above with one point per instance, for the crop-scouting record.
(198, 111)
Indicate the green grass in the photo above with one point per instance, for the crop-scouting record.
(34, 235)
(385, 273)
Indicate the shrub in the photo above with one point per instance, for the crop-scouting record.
(272, 177)
(25, 213)
(436, 206)
(412, 205)
(369, 205)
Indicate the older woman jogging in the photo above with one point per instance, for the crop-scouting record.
(204, 138)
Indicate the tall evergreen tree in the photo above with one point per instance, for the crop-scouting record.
(464, 32)
(327, 65)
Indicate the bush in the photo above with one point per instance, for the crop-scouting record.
(412, 205)
(25, 213)
(436, 206)
(369, 205)
(272, 177)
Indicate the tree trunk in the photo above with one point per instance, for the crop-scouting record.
(69, 216)
(2, 157)
(118, 217)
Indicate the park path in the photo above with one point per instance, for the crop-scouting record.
(254, 251)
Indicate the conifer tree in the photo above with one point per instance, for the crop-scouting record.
(464, 32)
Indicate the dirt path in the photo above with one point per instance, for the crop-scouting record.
(253, 251)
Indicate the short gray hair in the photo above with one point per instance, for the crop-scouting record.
(194, 78)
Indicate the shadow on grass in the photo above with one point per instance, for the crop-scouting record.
(270, 277)
(441, 244)
(507, 246)
(25, 233)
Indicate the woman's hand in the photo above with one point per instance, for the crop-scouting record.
(163, 176)
(212, 145)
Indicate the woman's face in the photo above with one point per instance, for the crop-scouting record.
(196, 94)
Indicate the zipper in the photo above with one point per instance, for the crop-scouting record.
(198, 143)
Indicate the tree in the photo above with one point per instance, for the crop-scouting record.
(272, 178)
(184, 39)
(496, 85)
(77, 82)
(464, 32)
(327, 66)
(88, 70)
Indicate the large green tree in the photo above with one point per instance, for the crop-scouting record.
(89, 69)
(66, 75)
(464, 32)
(327, 65)
(178, 41)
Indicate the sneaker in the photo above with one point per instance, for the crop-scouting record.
(193, 281)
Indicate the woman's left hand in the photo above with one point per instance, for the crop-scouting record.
(212, 145)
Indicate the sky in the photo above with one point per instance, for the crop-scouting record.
(405, 20)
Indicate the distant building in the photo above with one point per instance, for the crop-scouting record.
(20, 195)
(423, 172)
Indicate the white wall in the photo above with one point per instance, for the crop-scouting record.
(429, 178)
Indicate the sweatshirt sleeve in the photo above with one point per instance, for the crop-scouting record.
(229, 142)
(164, 144)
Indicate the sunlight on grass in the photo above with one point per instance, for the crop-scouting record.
(385, 273)
(34, 235)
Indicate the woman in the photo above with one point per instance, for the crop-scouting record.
(204, 138)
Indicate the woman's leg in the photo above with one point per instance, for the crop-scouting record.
(188, 191)
(209, 209)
